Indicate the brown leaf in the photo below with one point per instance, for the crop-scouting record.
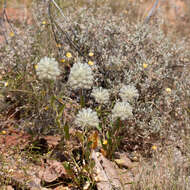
(13, 139)
(53, 169)
(94, 139)
(52, 141)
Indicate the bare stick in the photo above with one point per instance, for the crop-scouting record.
(56, 5)
(69, 40)
(151, 12)
(6, 17)
(51, 20)
(74, 45)
(2, 22)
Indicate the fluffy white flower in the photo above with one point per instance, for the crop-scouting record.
(127, 93)
(101, 95)
(47, 68)
(122, 110)
(87, 117)
(81, 76)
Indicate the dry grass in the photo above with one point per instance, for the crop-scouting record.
(168, 169)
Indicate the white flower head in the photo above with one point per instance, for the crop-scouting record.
(122, 110)
(128, 93)
(87, 118)
(101, 95)
(81, 76)
(47, 68)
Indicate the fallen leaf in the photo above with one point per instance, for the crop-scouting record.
(14, 139)
(53, 170)
(52, 141)
(94, 139)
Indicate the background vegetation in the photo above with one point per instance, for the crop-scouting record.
(119, 49)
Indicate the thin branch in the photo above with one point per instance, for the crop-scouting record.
(69, 40)
(151, 12)
(51, 20)
(75, 46)
(2, 22)
(6, 17)
(3, 29)
(61, 12)
(56, 5)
